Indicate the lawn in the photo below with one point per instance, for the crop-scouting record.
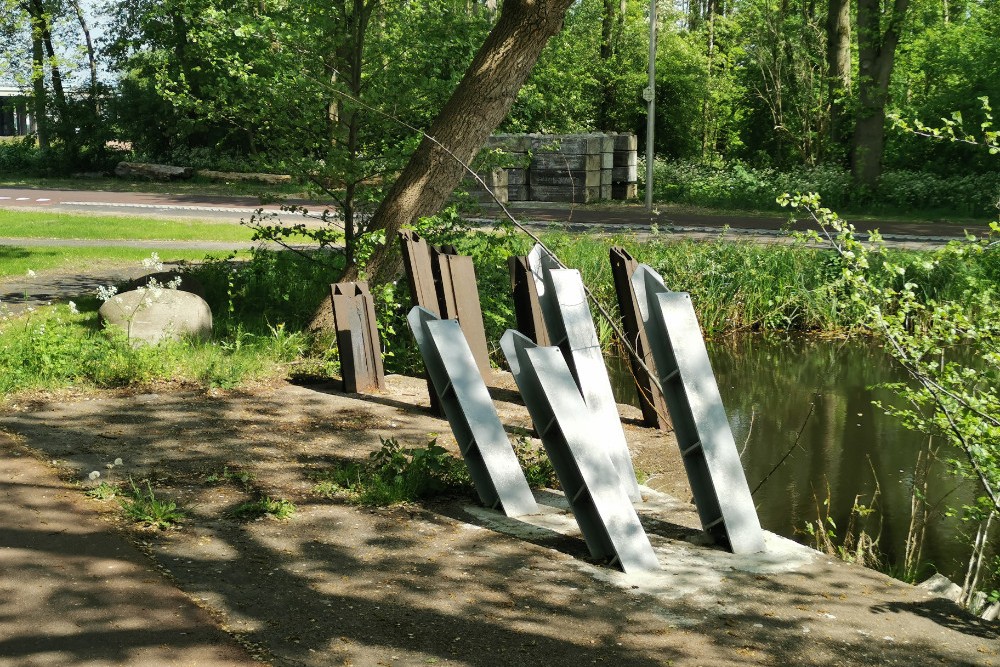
(18, 260)
(51, 225)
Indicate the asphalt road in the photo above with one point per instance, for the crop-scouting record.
(567, 216)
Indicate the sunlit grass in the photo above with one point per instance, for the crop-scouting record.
(17, 260)
(51, 225)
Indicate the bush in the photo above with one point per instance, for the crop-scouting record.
(737, 186)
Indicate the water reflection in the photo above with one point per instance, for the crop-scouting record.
(775, 389)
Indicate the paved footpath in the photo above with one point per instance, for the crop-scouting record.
(74, 593)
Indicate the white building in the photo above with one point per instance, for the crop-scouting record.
(15, 114)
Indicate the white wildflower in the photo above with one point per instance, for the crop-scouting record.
(175, 283)
(105, 292)
(94, 475)
(31, 274)
(153, 262)
(72, 308)
(118, 462)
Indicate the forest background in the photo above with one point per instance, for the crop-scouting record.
(754, 97)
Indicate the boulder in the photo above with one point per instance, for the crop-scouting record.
(152, 315)
(156, 172)
(942, 587)
(992, 612)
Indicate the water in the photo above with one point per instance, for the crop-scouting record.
(773, 389)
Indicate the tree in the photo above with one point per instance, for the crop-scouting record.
(878, 36)
(478, 105)
(838, 64)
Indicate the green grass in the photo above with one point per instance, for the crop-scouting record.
(278, 508)
(17, 260)
(143, 507)
(49, 225)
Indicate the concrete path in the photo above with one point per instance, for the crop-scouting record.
(75, 593)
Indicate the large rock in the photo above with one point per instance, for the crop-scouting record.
(156, 172)
(941, 586)
(152, 315)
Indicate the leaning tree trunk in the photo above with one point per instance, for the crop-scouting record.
(876, 54)
(479, 103)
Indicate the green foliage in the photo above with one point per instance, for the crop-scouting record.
(143, 507)
(395, 474)
(741, 187)
(536, 465)
(103, 491)
(947, 345)
(265, 506)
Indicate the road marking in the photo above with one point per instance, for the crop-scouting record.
(165, 207)
(43, 199)
(4, 197)
(22, 199)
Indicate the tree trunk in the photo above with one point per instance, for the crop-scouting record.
(38, 88)
(479, 103)
(876, 56)
(607, 52)
(838, 65)
(91, 57)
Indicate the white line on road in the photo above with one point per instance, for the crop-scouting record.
(43, 199)
(165, 207)
(22, 199)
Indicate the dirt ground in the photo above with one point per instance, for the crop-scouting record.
(449, 581)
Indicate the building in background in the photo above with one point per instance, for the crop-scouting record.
(15, 118)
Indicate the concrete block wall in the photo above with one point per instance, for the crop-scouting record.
(580, 168)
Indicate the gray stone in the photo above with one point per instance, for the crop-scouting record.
(992, 612)
(564, 179)
(156, 172)
(559, 162)
(941, 586)
(152, 315)
(626, 142)
(624, 174)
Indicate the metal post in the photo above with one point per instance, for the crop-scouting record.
(650, 95)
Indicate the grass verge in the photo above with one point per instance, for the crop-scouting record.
(17, 260)
(51, 225)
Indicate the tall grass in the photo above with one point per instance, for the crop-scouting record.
(742, 285)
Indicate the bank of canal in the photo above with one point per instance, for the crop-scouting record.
(775, 388)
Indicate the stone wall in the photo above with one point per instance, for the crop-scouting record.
(580, 168)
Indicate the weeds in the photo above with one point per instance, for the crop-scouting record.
(394, 474)
(277, 508)
(143, 507)
(853, 543)
(536, 465)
